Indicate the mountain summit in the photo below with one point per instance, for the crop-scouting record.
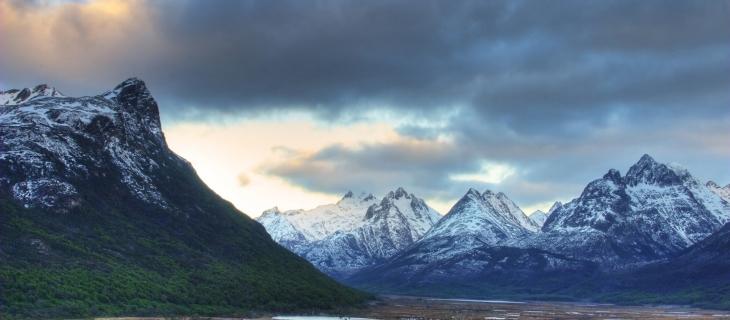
(483, 217)
(655, 210)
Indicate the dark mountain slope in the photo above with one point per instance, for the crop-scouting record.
(99, 217)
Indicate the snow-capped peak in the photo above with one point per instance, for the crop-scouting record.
(555, 206)
(398, 193)
(131, 85)
(353, 233)
(272, 211)
(318, 223)
(404, 206)
(613, 175)
(653, 211)
(491, 218)
(18, 96)
(649, 171)
(722, 192)
(473, 193)
(538, 217)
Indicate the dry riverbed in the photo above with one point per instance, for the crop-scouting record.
(398, 307)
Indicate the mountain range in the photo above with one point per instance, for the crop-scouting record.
(99, 217)
(619, 226)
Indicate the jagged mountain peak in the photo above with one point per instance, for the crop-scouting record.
(350, 198)
(486, 216)
(713, 184)
(135, 98)
(654, 211)
(554, 207)
(18, 96)
(398, 193)
(355, 232)
(613, 175)
(649, 171)
(324, 220)
(503, 197)
(128, 88)
(538, 217)
(722, 192)
(271, 211)
(646, 163)
(473, 192)
(404, 203)
(646, 159)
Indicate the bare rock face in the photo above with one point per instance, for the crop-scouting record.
(49, 143)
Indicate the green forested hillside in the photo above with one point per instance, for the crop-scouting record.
(123, 260)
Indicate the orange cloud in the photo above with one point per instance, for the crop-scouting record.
(70, 40)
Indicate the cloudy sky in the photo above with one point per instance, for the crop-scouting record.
(292, 103)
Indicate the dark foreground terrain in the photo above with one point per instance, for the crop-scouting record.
(401, 307)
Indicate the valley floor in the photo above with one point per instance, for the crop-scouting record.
(401, 307)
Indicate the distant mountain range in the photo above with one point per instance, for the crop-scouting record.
(618, 227)
(99, 217)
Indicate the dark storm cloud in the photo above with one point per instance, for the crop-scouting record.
(508, 59)
(544, 86)
(519, 61)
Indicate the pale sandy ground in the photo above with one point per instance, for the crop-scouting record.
(394, 307)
